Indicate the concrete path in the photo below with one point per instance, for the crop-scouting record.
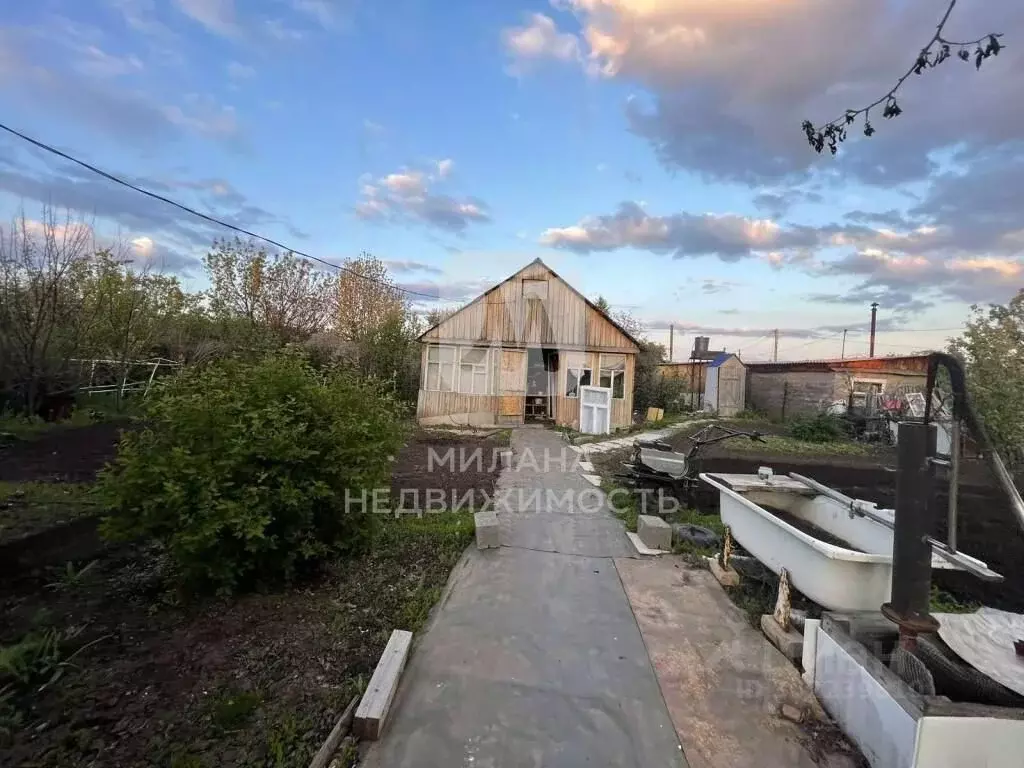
(534, 657)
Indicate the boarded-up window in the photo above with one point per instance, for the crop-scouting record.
(613, 375)
(473, 371)
(535, 289)
(440, 369)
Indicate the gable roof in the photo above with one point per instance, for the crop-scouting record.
(566, 283)
(720, 358)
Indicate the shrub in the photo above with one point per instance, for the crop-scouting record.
(242, 469)
(820, 428)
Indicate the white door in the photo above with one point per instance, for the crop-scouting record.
(595, 410)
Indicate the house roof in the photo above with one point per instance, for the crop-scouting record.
(720, 358)
(569, 285)
(891, 364)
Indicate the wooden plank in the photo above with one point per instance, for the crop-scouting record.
(330, 746)
(373, 710)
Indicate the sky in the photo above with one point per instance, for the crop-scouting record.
(649, 151)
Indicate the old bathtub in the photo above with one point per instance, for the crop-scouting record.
(840, 578)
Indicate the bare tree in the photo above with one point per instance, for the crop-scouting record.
(279, 291)
(42, 314)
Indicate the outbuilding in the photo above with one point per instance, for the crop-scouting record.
(725, 385)
(530, 349)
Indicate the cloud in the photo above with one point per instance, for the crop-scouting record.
(217, 16)
(407, 196)
(724, 85)
(459, 291)
(401, 267)
(323, 12)
(69, 186)
(99, 102)
(205, 117)
(149, 255)
(538, 40)
(238, 71)
(98, 63)
(279, 30)
(444, 167)
(728, 236)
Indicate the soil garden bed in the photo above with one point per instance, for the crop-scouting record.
(126, 673)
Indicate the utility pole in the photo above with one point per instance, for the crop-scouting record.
(874, 312)
(671, 339)
(842, 354)
(775, 350)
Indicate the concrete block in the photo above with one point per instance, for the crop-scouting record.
(727, 577)
(585, 466)
(791, 643)
(486, 530)
(594, 480)
(654, 532)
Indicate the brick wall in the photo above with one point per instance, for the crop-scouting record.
(791, 393)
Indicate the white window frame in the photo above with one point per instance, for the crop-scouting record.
(482, 368)
(613, 372)
(452, 364)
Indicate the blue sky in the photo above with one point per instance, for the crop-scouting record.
(648, 150)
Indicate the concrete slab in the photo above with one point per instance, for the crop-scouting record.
(594, 480)
(723, 682)
(585, 466)
(642, 548)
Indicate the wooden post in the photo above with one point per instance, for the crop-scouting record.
(785, 394)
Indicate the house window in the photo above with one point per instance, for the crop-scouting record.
(473, 369)
(613, 375)
(535, 289)
(440, 369)
(576, 378)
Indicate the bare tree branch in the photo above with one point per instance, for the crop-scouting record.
(935, 51)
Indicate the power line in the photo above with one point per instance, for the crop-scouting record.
(201, 215)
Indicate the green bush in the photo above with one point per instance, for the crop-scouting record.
(820, 428)
(242, 469)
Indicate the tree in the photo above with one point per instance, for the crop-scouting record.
(993, 349)
(367, 298)
(937, 50)
(438, 315)
(280, 292)
(633, 325)
(43, 315)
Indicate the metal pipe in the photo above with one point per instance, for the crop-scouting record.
(954, 483)
(874, 313)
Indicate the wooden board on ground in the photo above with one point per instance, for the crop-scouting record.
(373, 709)
(655, 414)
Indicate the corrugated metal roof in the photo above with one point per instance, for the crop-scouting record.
(720, 358)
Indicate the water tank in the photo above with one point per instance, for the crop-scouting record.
(700, 345)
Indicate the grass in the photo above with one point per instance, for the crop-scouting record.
(944, 602)
(780, 444)
(232, 710)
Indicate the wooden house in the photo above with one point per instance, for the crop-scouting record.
(532, 348)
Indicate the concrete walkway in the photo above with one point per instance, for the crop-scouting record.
(534, 657)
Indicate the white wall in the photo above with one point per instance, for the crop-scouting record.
(883, 731)
(711, 389)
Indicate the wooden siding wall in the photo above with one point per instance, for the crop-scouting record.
(439, 408)
(563, 320)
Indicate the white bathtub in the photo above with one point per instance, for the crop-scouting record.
(837, 578)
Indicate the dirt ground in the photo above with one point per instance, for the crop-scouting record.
(421, 466)
(60, 455)
(147, 678)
